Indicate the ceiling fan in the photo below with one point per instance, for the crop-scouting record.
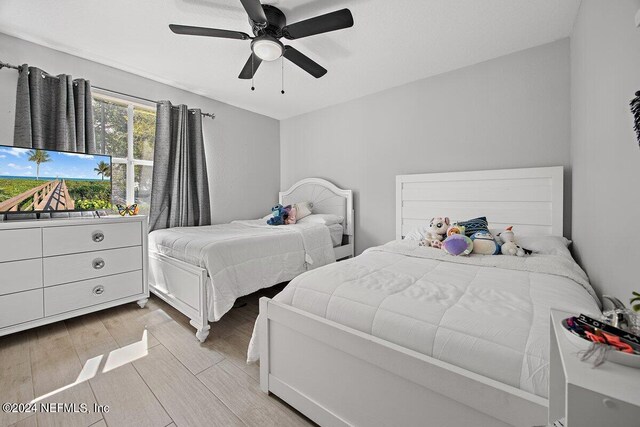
(269, 25)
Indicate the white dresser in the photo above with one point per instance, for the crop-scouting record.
(54, 269)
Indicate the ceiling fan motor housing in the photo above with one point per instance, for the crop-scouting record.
(269, 24)
(276, 21)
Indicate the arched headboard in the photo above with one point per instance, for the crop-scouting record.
(326, 199)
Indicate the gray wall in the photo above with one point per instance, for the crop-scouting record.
(242, 147)
(605, 71)
(509, 112)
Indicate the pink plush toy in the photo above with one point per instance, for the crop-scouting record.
(291, 218)
(436, 233)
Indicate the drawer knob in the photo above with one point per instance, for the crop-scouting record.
(98, 263)
(98, 236)
(98, 290)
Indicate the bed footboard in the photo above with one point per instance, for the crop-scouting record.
(338, 376)
(183, 286)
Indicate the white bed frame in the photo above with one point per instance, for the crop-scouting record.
(184, 286)
(338, 376)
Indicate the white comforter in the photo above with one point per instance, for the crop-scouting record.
(245, 256)
(487, 314)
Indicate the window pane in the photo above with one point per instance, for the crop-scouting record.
(119, 184)
(143, 175)
(110, 127)
(144, 133)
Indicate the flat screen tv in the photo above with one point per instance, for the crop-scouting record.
(33, 180)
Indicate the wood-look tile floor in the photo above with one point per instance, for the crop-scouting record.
(146, 365)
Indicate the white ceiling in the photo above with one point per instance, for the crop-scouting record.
(391, 43)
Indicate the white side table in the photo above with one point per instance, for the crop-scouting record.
(608, 395)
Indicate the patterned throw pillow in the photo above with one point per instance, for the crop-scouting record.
(303, 209)
(474, 225)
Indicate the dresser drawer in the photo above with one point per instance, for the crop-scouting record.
(95, 237)
(20, 244)
(89, 265)
(20, 307)
(16, 276)
(74, 296)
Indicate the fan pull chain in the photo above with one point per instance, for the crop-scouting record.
(282, 62)
(252, 73)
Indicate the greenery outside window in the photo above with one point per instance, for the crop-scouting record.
(126, 130)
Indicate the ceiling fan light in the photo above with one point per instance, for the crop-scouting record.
(267, 49)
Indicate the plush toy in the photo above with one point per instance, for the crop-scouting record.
(436, 233)
(455, 229)
(457, 244)
(484, 243)
(279, 215)
(437, 244)
(506, 236)
(509, 246)
(291, 215)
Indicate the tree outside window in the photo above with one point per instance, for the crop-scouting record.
(126, 131)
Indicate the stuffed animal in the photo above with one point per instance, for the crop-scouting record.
(436, 232)
(279, 214)
(484, 243)
(455, 229)
(291, 215)
(509, 246)
(506, 236)
(457, 244)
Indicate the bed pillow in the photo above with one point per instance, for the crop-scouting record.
(474, 225)
(417, 233)
(546, 245)
(326, 219)
(303, 209)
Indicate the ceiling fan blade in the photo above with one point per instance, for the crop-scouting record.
(249, 71)
(320, 24)
(208, 32)
(304, 62)
(254, 10)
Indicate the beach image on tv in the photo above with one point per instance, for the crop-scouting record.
(33, 180)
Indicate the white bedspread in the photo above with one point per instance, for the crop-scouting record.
(245, 256)
(336, 231)
(487, 314)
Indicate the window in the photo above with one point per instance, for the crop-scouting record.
(126, 131)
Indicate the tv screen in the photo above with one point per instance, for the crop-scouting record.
(33, 180)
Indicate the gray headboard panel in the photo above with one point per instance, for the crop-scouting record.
(326, 199)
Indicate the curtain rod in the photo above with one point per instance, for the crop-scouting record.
(16, 67)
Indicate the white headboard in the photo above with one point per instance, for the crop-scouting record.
(529, 199)
(326, 199)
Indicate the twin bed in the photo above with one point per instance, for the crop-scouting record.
(201, 271)
(407, 332)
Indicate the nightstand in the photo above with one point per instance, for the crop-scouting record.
(608, 395)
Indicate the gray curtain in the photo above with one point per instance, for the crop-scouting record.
(53, 112)
(180, 190)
